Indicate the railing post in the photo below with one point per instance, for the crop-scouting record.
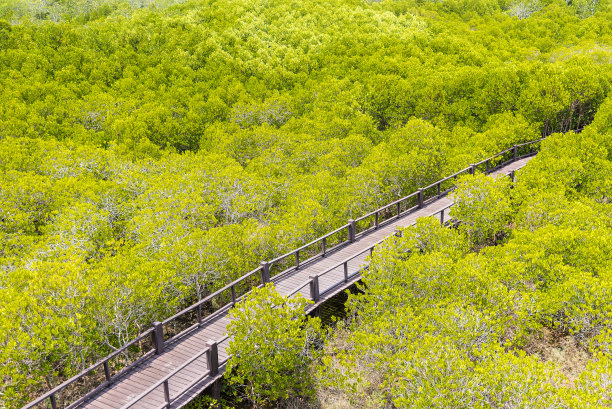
(420, 198)
(167, 393)
(107, 371)
(233, 295)
(297, 259)
(199, 313)
(399, 209)
(265, 272)
(439, 187)
(442, 217)
(351, 230)
(314, 288)
(53, 402)
(324, 246)
(487, 165)
(513, 176)
(376, 220)
(346, 271)
(215, 392)
(212, 357)
(472, 169)
(158, 337)
(515, 151)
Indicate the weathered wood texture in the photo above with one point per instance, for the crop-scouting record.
(181, 368)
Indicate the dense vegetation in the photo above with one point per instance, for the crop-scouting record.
(271, 346)
(523, 321)
(149, 155)
(512, 309)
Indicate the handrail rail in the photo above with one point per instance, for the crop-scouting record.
(387, 206)
(265, 278)
(316, 292)
(305, 246)
(166, 378)
(211, 296)
(447, 178)
(103, 362)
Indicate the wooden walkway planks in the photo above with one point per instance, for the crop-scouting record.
(151, 370)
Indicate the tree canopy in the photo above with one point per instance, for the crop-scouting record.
(517, 320)
(153, 151)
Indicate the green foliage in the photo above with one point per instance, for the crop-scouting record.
(427, 236)
(585, 169)
(439, 325)
(272, 346)
(153, 151)
(482, 205)
(204, 401)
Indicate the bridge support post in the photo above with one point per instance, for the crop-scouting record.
(351, 230)
(314, 288)
(158, 337)
(167, 393)
(265, 272)
(107, 374)
(212, 357)
(215, 392)
(53, 401)
(420, 198)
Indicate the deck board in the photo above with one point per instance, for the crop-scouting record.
(156, 367)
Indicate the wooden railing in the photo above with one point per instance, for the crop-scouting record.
(313, 282)
(423, 197)
(316, 249)
(102, 365)
(212, 369)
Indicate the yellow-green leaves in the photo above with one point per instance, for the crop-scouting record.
(150, 155)
(272, 346)
(482, 205)
(521, 323)
(27, 201)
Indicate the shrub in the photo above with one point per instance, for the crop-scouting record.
(272, 346)
(482, 204)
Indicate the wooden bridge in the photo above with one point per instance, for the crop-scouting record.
(187, 352)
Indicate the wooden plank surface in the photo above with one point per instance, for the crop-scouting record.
(147, 373)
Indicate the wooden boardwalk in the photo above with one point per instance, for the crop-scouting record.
(185, 354)
(184, 385)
